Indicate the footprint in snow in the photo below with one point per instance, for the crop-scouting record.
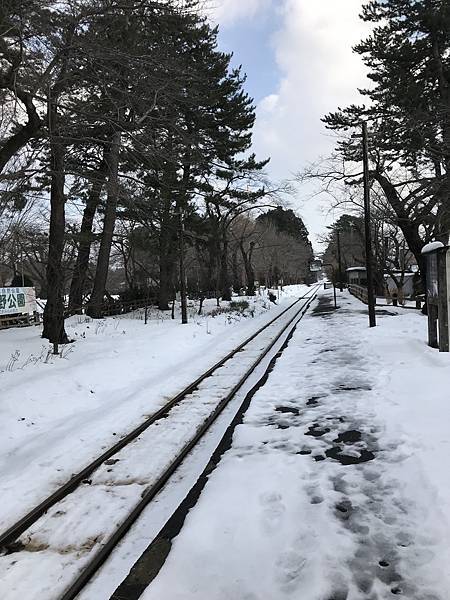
(273, 511)
(289, 570)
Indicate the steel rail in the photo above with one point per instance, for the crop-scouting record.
(108, 547)
(154, 556)
(14, 531)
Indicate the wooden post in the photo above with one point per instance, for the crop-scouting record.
(432, 325)
(442, 303)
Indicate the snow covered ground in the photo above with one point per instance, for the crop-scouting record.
(335, 487)
(58, 413)
(70, 533)
(337, 484)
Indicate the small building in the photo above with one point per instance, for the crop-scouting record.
(316, 265)
(357, 276)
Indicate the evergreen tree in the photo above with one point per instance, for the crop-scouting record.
(198, 156)
(286, 221)
(407, 56)
(287, 248)
(408, 60)
(27, 64)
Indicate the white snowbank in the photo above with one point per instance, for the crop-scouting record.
(432, 246)
(57, 414)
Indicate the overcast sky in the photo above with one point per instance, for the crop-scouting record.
(298, 59)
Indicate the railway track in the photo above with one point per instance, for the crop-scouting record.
(125, 479)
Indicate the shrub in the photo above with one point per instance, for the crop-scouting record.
(239, 305)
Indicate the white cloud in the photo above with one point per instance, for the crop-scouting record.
(227, 12)
(319, 72)
(268, 104)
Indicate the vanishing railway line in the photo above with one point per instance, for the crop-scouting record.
(125, 479)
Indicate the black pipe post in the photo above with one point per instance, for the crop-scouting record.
(339, 259)
(369, 270)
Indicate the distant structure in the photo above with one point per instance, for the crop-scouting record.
(357, 276)
(316, 268)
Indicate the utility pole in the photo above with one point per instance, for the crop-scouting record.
(183, 291)
(339, 259)
(369, 270)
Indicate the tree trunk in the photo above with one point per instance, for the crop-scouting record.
(167, 244)
(249, 272)
(224, 275)
(166, 274)
(237, 283)
(409, 229)
(25, 132)
(212, 275)
(54, 309)
(182, 267)
(101, 274)
(85, 239)
(443, 216)
(442, 225)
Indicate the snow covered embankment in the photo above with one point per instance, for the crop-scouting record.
(57, 414)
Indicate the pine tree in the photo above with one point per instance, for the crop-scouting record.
(25, 70)
(198, 139)
(408, 60)
(286, 221)
(288, 245)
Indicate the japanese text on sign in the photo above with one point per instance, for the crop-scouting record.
(17, 300)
